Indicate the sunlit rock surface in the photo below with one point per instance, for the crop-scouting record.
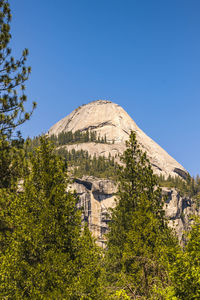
(110, 119)
(96, 196)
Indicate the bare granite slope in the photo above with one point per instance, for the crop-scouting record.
(110, 119)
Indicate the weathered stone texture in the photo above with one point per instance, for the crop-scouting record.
(110, 119)
(96, 196)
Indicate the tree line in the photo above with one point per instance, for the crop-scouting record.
(46, 252)
(82, 163)
(69, 137)
(189, 187)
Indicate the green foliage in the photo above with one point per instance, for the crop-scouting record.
(12, 162)
(140, 245)
(77, 137)
(90, 281)
(189, 187)
(97, 166)
(168, 293)
(44, 251)
(185, 271)
(81, 163)
(120, 295)
(13, 74)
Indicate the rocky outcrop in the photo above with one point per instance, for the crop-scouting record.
(178, 210)
(96, 196)
(110, 119)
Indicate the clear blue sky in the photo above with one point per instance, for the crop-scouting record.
(142, 54)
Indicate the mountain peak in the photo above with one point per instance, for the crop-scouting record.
(111, 120)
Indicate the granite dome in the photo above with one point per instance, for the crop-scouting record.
(110, 119)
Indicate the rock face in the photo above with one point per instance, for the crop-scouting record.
(96, 196)
(178, 210)
(110, 119)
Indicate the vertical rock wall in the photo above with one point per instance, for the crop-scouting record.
(96, 196)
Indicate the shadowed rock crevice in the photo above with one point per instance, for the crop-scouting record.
(181, 173)
(86, 184)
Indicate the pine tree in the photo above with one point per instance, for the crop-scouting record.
(13, 75)
(45, 254)
(185, 271)
(90, 278)
(140, 244)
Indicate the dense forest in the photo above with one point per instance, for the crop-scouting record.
(46, 252)
(81, 163)
(65, 138)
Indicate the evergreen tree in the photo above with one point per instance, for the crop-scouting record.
(13, 74)
(44, 253)
(185, 271)
(140, 245)
(89, 282)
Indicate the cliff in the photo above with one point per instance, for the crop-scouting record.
(111, 120)
(96, 196)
